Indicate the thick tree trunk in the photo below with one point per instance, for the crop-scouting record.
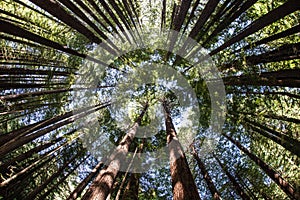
(234, 182)
(275, 176)
(103, 183)
(183, 184)
(212, 188)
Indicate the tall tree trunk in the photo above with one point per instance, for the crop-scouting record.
(261, 93)
(5, 165)
(103, 183)
(131, 191)
(283, 34)
(125, 177)
(234, 182)
(132, 188)
(56, 185)
(275, 176)
(206, 13)
(285, 141)
(80, 187)
(44, 185)
(272, 16)
(212, 188)
(19, 140)
(284, 52)
(284, 78)
(236, 9)
(183, 184)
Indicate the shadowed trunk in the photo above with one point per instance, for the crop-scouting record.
(275, 176)
(212, 188)
(234, 182)
(283, 78)
(272, 16)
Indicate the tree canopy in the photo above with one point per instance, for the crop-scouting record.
(150, 99)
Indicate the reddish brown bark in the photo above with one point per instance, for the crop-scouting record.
(103, 183)
(183, 184)
(80, 187)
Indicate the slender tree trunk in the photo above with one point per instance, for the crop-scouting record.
(272, 16)
(128, 195)
(19, 140)
(39, 148)
(212, 188)
(206, 13)
(103, 183)
(283, 34)
(262, 93)
(236, 9)
(183, 184)
(163, 15)
(132, 189)
(283, 78)
(80, 187)
(275, 176)
(284, 52)
(44, 185)
(56, 185)
(234, 182)
(272, 116)
(285, 141)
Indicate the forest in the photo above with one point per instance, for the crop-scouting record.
(149, 99)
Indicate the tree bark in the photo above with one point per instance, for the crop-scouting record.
(103, 183)
(183, 184)
(206, 13)
(236, 9)
(285, 141)
(56, 185)
(80, 187)
(283, 34)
